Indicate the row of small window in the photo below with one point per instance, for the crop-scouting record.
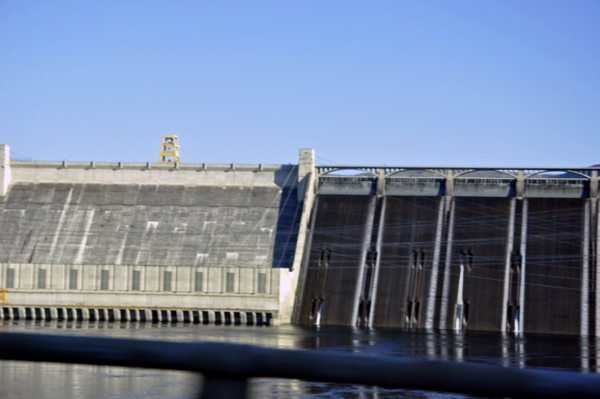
(136, 279)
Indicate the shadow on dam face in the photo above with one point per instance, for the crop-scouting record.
(458, 263)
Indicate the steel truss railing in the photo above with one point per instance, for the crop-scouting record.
(228, 367)
(454, 172)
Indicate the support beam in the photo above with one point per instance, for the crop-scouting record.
(435, 267)
(447, 267)
(585, 270)
(523, 250)
(520, 184)
(375, 282)
(367, 235)
(509, 248)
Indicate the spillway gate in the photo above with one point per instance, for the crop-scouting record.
(489, 249)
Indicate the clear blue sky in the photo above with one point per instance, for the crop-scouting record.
(400, 82)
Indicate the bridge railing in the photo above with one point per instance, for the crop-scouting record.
(590, 175)
(444, 172)
(227, 368)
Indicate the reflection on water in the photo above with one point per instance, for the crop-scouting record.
(23, 380)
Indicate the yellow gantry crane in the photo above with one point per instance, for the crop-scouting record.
(169, 149)
(3, 296)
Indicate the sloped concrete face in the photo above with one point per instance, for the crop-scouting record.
(111, 224)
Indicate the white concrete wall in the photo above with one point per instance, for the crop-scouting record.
(183, 295)
(140, 173)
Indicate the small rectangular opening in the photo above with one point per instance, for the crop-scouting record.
(73, 279)
(41, 278)
(135, 280)
(104, 280)
(229, 283)
(164, 315)
(198, 280)
(10, 278)
(167, 280)
(262, 283)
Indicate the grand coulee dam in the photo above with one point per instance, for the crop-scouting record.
(509, 249)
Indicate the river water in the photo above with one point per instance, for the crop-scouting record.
(24, 380)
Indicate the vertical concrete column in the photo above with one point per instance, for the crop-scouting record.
(375, 282)
(306, 167)
(585, 270)
(289, 293)
(594, 184)
(136, 315)
(243, 318)
(148, 315)
(53, 314)
(449, 189)
(302, 255)
(5, 173)
(509, 248)
(435, 265)
(523, 251)
(33, 315)
(65, 314)
(1, 313)
(117, 314)
(211, 317)
(22, 314)
(381, 183)
(520, 184)
(179, 316)
(85, 314)
(447, 267)
(367, 235)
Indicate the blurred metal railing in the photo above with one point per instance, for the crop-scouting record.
(228, 367)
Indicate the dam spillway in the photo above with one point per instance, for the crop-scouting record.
(458, 249)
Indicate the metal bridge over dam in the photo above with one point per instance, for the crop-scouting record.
(491, 249)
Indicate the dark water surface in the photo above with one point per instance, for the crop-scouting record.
(24, 380)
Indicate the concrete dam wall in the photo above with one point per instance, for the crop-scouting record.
(122, 235)
(460, 249)
(489, 249)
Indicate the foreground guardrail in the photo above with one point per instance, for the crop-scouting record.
(228, 367)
